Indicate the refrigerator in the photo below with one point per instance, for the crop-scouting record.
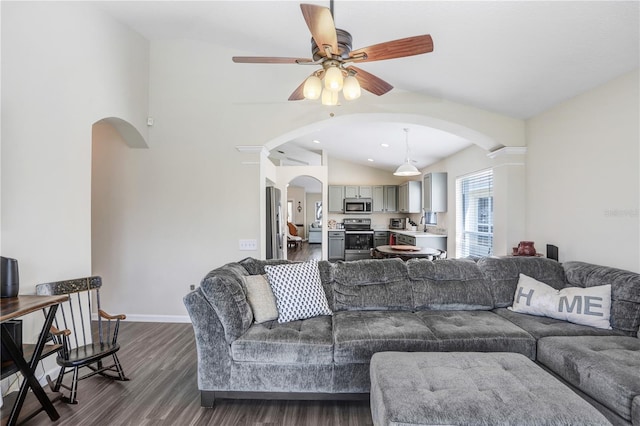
(274, 224)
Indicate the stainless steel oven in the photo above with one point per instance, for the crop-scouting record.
(358, 239)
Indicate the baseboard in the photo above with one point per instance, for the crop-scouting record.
(153, 318)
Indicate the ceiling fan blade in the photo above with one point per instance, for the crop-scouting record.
(409, 46)
(298, 94)
(370, 82)
(268, 60)
(320, 23)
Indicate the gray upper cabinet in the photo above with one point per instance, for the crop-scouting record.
(352, 191)
(410, 197)
(385, 199)
(378, 199)
(391, 198)
(336, 197)
(434, 192)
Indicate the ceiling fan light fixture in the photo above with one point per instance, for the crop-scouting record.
(351, 88)
(312, 88)
(333, 79)
(329, 98)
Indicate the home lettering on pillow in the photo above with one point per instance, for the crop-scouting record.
(591, 305)
(586, 306)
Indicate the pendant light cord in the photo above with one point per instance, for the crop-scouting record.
(406, 131)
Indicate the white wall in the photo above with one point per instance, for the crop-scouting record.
(64, 66)
(582, 176)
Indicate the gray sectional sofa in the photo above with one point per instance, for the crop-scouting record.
(455, 305)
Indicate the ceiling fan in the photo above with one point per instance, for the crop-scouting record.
(331, 49)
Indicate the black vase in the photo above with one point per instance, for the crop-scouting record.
(9, 281)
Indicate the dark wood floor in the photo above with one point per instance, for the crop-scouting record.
(304, 252)
(160, 360)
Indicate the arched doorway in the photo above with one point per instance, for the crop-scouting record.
(304, 218)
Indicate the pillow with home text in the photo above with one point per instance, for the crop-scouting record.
(586, 306)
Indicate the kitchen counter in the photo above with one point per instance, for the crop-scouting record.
(417, 234)
(420, 239)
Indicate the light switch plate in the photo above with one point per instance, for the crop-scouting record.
(248, 245)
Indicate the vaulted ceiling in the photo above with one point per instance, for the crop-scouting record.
(516, 58)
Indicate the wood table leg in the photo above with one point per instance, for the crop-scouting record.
(28, 370)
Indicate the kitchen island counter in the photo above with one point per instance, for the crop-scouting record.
(420, 239)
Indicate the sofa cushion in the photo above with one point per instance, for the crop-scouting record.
(308, 341)
(224, 290)
(453, 284)
(625, 291)
(504, 272)
(359, 334)
(477, 331)
(587, 306)
(540, 327)
(635, 411)
(260, 298)
(381, 284)
(605, 368)
(298, 291)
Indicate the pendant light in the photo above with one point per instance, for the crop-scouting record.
(407, 169)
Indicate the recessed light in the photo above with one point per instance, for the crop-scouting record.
(384, 145)
(370, 159)
(316, 141)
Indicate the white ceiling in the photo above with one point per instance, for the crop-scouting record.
(517, 58)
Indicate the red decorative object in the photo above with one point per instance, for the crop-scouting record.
(526, 248)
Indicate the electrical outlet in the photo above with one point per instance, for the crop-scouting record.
(248, 245)
(192, 287)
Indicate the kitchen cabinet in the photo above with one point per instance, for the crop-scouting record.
(336, 199)
(434, 192)
(419, 239)
(385, 199)
(410, 197)
(405, 240)
(380, 238)
(336, 245)
(352, 191)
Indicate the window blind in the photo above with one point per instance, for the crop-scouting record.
(474, 214)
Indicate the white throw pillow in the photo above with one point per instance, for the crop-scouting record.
(587, 306)
(298, 290)
(260, 298)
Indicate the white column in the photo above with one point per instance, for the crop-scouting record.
(509, 211)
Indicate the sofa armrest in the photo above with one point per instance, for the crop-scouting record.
(214, 353)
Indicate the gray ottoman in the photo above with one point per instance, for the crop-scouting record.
(471, 388)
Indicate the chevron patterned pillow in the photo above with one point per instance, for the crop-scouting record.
(298, 290)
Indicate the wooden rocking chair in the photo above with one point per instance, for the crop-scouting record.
(75, 333)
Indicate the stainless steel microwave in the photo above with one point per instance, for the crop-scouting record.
(357, 205)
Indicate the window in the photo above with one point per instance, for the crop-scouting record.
(474, 214)
(319, 212)
(290, 211)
